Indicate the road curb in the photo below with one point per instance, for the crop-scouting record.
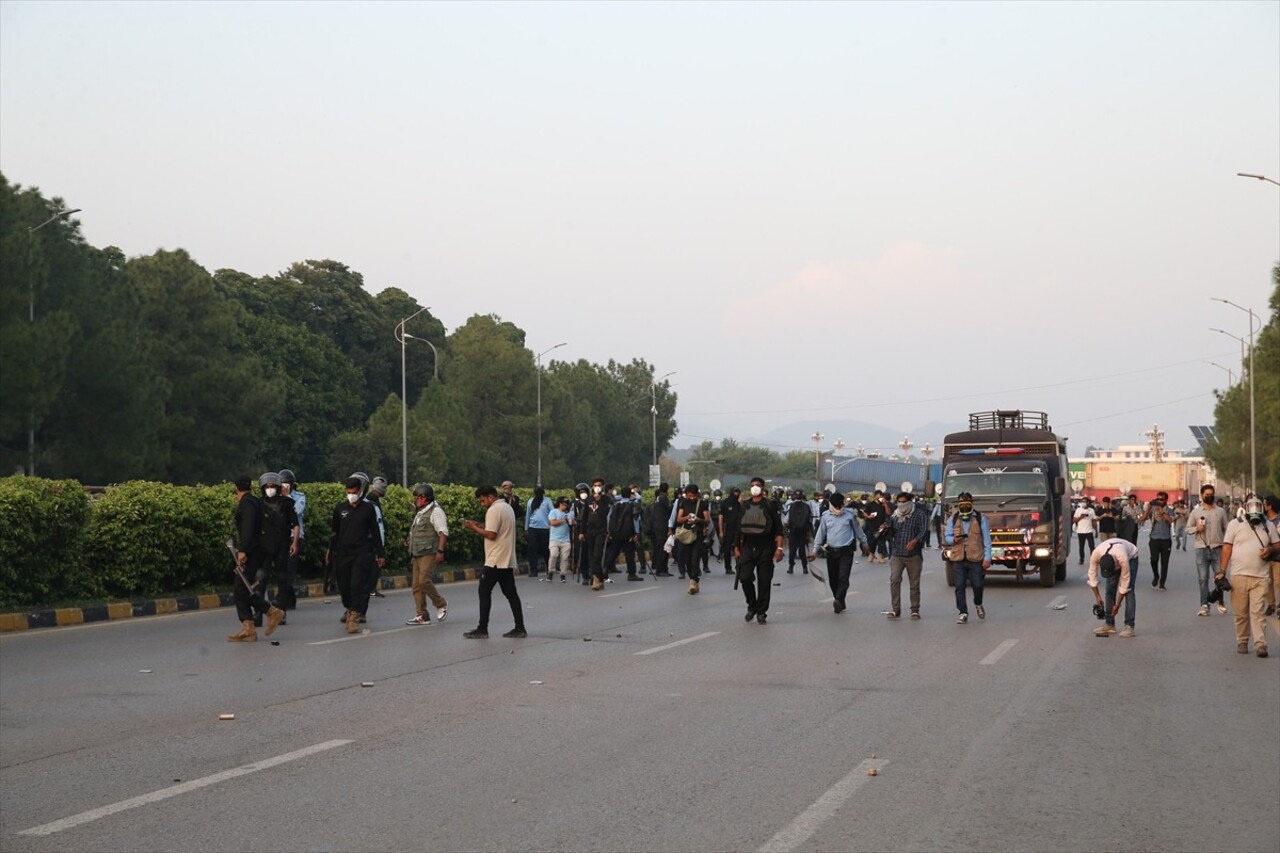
(112, 612)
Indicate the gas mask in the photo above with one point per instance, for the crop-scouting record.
(1253, 511)
(965, 508)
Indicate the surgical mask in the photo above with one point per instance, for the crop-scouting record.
(582, 495)
(597, 489)
(756, 491)
(271, 493)
(353, 499)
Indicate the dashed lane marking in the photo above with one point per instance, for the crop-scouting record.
(796, 833)
(683, 642)
(628, 592)
(999, 652)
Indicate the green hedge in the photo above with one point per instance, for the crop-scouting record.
(142, 539)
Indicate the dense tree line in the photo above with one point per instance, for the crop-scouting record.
(154, 368)
(1230, 454)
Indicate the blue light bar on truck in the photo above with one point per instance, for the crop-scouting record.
(991, 451)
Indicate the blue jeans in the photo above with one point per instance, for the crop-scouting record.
(1130, 599)
(973, 574)
(1207, 560)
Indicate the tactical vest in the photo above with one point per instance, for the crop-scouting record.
(973, 550)
(423, 536)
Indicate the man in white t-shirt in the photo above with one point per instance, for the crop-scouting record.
(1247, 548)
(499, 532)
(1116, 561)
(1084, 519)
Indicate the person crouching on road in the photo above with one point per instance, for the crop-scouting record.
(1247, 547)
(356, 543)
(428, 533)
(838, 530)
(969, 527)
(1116, 560)
(499, 532)
(248, 545)
(759, 546)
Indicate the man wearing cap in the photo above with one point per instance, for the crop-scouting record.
(1116, 560)
(509, 497)
(428, 534)
(969, 536)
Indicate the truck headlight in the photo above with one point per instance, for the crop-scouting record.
(1042, 552)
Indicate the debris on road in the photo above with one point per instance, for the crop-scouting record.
(144, 670)
(366, 684)
(225, 717)
(535, 682)
(871, 771)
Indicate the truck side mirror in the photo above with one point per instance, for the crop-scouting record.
(1059, 486)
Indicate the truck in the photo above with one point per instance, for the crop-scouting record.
(1015, 467)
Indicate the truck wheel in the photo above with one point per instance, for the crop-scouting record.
(1060, 573)
(950, 572)
(1047, 575)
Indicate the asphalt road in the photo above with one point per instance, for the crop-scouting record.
(643, 718)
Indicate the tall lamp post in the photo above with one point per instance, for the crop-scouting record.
(31, 318)
(539, 369)
(400, 335)
(1253, 450)
(1259, 177)
(817, 457)
(1231, 376)
(653, 411)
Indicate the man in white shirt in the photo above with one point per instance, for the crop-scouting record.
(1207, 523)
(1116, 560)
(1084, 519)
(1247, 549)
(499, 532)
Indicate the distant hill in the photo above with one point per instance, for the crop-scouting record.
(797, 436)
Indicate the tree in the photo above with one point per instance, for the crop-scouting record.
(1230, 455)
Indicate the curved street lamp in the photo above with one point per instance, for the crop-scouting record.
(539, 369)
(1253, 450)
(31, 318)
(653, 413)
(400, 335)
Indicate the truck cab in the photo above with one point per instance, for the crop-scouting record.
(1015, 467)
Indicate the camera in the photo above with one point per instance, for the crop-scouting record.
(1220, 587)
(1099, 611)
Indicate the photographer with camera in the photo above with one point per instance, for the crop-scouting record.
(1208, 524)
(1161, 539)
(1247, 548)
(1116, 560)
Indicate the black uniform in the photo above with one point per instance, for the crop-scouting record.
(279, 518)
(730, 518)
(659, 515)
(248, 520)
(593, 532)
(755, 564)
(356, 543)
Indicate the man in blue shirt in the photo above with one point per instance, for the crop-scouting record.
(838, 529)
(537, 529)
(972, 556)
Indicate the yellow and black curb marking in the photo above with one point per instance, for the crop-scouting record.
(130, 610)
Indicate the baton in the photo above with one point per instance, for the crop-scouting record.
(235, 559)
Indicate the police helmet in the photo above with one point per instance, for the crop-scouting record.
(287, 476)
(378, 486)
(271, 478)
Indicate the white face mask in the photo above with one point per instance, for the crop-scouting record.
(756, 491)
(271, 493)
(353, 499)
(582, 495)
(597, 489)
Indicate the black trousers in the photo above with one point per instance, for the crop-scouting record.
(505, 578)
(689, 557)
(620, 546)
(247, 601)
(755, 574)
(660, 556)
(273, 565)
(1160, 549)
(595, 553)
(726, 547)
(537, 548)
(1086, 545)
(352, 573)
(799, 542)
(839, 567)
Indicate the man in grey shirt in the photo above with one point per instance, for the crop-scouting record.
(1161, 539)
(1208, 524)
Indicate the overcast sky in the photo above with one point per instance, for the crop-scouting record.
(947, 207)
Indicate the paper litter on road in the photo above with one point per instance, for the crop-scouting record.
(226, 716)
(535, 682)
(144, 670)
(1062, 606)
(366, 684)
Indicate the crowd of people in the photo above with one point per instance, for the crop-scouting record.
(587, 534)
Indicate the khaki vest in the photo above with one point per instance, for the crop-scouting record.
(423, 536)
(973, 550)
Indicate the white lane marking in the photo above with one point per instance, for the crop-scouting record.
(823, 809)
(1054, 605)
(685, 641)
(175, 790)
(362, 635)
(629, 592)
(999, 652)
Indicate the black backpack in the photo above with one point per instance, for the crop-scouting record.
(620, 520)
(799, 516)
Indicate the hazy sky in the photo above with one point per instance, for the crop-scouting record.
(945, 207)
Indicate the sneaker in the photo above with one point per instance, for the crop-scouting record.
(982, 611)
(562, 579)
(1104, 630)
(762, 618)
(418, 620)
(1222, 608)
(516, 634)
(893, 614)
(477, 634)
(378, 594)
(441, 614)
(544, 580)
(962, 619)
(1127, 632)
(915, 614)
(1204, 610)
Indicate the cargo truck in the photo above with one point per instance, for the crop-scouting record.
(1016, 469)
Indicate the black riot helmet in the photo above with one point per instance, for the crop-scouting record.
(422, 490)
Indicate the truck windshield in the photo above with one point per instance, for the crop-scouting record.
(1002, 485)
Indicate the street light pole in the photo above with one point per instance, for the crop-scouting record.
(1253, 448)
(400, 335)
(1259, 177)
(539, 369)
(1231, 377)
(817, 457)
(31, 318)
(653, 411)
